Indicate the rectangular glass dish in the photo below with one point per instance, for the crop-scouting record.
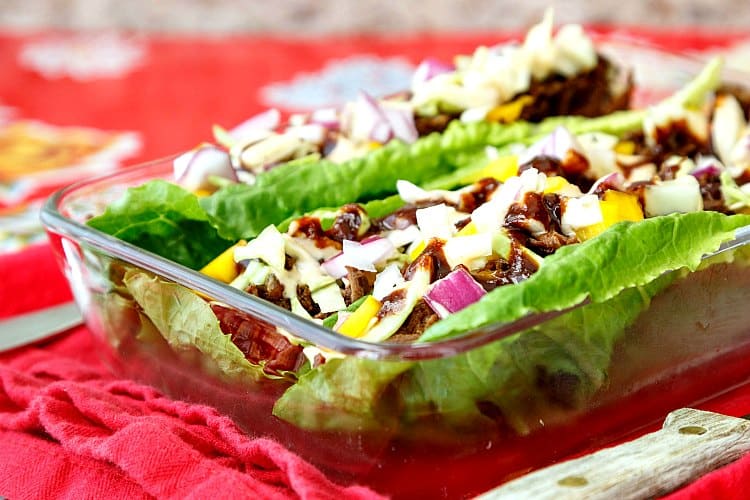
(688, 343)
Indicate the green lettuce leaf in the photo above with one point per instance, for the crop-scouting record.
(187, 323)
(242, 211)
(627, 254)
(538, 373)
(165, 219)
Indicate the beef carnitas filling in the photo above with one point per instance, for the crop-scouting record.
(259, 341)
(595, 92)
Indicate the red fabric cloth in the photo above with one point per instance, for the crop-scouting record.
(68, 428)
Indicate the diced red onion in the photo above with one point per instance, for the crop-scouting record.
(267, 120)
(708, 166)
(614, 180)
(365, 255)
(369, 111)
(429, 69)
(193, 169)
(335, 266)
(454, 292)
(328, 117)
(556, 144)
(360, 255)
(381, 132)
(402, 124)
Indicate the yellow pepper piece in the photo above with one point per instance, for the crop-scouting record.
(374, 145)
(416, 250)
(467, 230)
(554, 184)
(502, 169)
(628, 207)
(615, 207)
(223, 267)
(510, 111)
(356, 324)
(200, 193)
(625, 147)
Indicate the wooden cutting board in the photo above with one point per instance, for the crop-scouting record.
(689, 444)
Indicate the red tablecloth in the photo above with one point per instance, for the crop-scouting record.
(69, 428)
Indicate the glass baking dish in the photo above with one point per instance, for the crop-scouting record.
(689, 344)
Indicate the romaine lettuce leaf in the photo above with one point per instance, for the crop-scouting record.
(187, 323)
(165, 219)
(242, 211)
(552, 368)
(627, 254)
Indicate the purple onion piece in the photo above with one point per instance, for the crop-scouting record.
(429, 69)
(267, 120)
(454, 292)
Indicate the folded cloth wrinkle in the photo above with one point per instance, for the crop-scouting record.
(168, 449)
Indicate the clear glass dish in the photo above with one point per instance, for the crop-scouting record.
(690, 344)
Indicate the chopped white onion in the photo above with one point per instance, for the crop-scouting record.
(403, 237)
(329, 298)
(580, 212)
(359, 255)
(677, 195)
(727, 126)
(465, 249)
(310, 132)
(269, 246)
(387, 281)
(436, 221)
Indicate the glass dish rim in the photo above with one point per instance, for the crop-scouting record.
(54, 221)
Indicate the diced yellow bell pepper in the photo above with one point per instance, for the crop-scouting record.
(628, 207)
(502, 169)
(510, 111)
(625, 147)
(554, 184)
(416, 250)
(467, 230)
(374, 145)
(356, 324)
(201, 193)
(615, 206)
(223, 267)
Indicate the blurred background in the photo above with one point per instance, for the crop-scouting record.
(312, 17)
(91, 86)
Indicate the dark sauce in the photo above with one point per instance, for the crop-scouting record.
(392, 303)
(500, 272)
(483, 188)
(432, 257)
(347, 223)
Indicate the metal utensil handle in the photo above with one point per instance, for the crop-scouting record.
(690, 444)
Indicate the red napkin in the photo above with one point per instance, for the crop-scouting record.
(69, 429)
